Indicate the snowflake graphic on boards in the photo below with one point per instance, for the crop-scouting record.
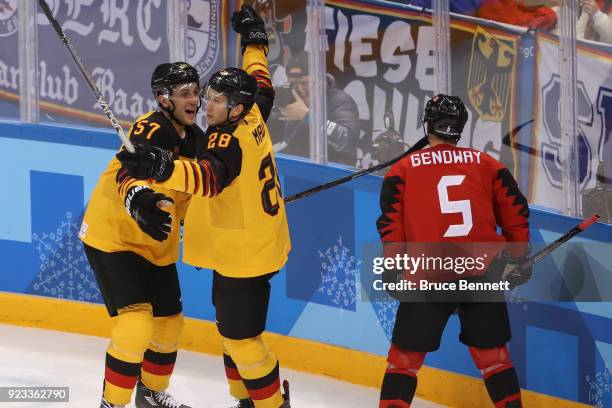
(386, 310)
(339, 275)
(64, 271)
(600, 389)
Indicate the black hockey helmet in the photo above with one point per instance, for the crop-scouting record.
(238, 86)
(167, 75)
(445, 116)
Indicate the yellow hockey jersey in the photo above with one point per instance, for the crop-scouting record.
(107, 226)
(236, 222)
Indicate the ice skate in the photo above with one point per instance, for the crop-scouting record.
(147, 398)
(105, 404)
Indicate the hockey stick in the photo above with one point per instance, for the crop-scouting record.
(586, 223)
(417, 146)
(77, 60)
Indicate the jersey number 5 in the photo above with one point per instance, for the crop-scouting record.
(451, 207)
(270, 189)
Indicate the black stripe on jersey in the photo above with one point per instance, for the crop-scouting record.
(262, 78)
(186, 173)
(122, 174)
(388, 197)
(218, 165)
(513, 191)
(203, 174)
(196, 179)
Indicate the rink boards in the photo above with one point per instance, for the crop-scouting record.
(318, 321)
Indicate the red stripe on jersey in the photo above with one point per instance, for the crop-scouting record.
(123, 184)
(122, 174)
(254, 64)
(211, 179)
(196, 179)
(206, 184)
(128, 184)
(157, 369)
(120, 187)
(262, 76)
(120, 380)
(265, 392)
(263, 80)
(214, 183)
(186, 176)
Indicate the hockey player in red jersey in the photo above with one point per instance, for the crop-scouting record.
(451, 194)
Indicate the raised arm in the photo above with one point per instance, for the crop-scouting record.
(254, 43)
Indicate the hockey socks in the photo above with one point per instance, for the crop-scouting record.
(157, 369)
(400, 381)
(499, 376)
(259, 370)
(236, 386)
(397, 389)
(129, 339)
(160, 357)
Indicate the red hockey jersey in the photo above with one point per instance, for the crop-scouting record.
(451, 194)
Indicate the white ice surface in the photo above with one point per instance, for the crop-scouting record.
(35, 357)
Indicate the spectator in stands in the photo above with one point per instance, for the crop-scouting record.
(293, 102)
(525, 13)
(517, 13)
(468, 7)
(595, 22)
(535, 3)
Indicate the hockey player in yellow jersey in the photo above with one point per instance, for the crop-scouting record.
(236, 223)
(131, 238)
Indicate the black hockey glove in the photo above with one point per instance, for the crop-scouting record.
(147, 162)
(143, 204)
(250, 26)
(516, 277)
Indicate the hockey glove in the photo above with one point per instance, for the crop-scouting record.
(144, 205)
(250, 26)
(147, 162)
(516, 277)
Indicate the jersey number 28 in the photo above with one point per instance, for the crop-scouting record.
(271, 187)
